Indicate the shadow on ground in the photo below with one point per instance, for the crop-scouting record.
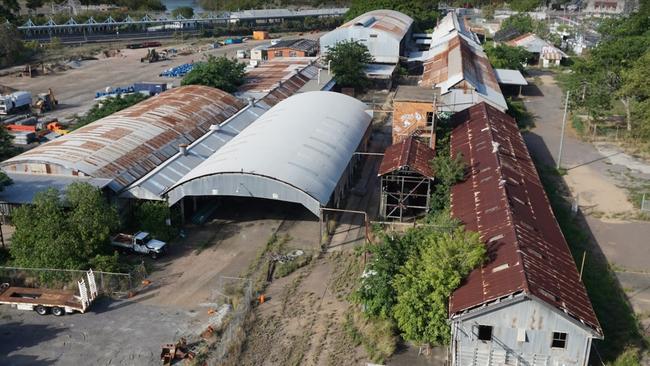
(610, 303)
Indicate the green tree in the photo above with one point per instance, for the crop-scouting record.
(348, 61)
(12, 48)
(218, 72)
(90, 217)
(521, 22)
(449, 171)
(4, 181)
(487, 11)
(34, 4)
(7, 149)
(8, 10)
(506, 57)
(152, 216)
(186, 12)
(524, 5)
(109, 106)
(428, 278)
(63, 233)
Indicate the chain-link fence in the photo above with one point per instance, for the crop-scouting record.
(238, 292)
(108, 283)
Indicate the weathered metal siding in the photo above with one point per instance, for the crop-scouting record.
(382, 31)
(537, 320)
(128, 144)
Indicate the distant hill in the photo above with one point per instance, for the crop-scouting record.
(233, 5)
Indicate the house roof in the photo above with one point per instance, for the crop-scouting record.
(510, 77)
(504, 201)
(25, 186)
(534, 44)
(411, 154)
(506, 34)
(305, 45)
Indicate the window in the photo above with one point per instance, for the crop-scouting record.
(429, 118)
(485, 332)
(277, 53)
(292, 54)
(373, 36)
(559, 340)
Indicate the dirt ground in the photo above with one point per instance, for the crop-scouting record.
(75, 88)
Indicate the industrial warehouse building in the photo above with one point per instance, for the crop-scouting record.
(117, 150)
(141, 151)
(527, 305)
(384, 32)
(300, 151)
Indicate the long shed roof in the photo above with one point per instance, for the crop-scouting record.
(303, 143)
(504, 201)
(128, 144)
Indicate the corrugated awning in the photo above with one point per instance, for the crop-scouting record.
(510, 77)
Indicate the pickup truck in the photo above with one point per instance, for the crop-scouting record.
(140, 242)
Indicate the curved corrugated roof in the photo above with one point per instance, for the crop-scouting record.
(303, 143)
(392, 22)
(128, 144)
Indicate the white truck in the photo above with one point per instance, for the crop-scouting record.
(140, 242)
(44, 301)
(20, 100)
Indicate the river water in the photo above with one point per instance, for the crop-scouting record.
(173, 4)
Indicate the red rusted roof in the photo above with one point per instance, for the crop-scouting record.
(504, 201)
(411, 154)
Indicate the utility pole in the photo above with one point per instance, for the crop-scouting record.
(566, 107)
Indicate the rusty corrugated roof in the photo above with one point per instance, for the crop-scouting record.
(128, 144)
(504, 201)
(410, 153)
(278, 79)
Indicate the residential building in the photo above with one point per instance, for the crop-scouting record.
(544, 53)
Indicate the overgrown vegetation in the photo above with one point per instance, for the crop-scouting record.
(155, 217)
(623, 338)
(517, 110)
(109, 106)
(503, 56)
(428, 278)
(72, 232)
(410, 277)
(218, 72)
(348, 60)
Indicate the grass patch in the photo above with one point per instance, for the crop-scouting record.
(376, 335)
(288, 267)
(620, 325)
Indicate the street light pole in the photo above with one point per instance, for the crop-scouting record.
(566, 107)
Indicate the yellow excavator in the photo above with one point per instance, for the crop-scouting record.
(46, 102)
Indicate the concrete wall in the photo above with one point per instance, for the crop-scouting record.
(408, 117)
(538, 320)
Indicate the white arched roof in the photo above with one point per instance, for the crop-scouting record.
(296, 152)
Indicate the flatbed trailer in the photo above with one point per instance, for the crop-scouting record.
(44, 301)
